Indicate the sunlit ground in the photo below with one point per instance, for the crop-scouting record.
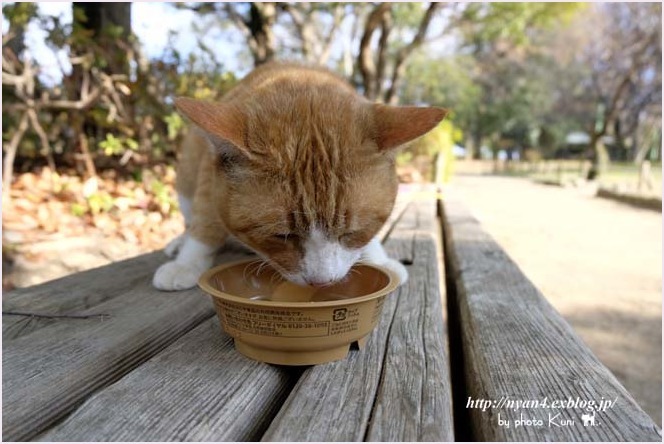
(597, 261)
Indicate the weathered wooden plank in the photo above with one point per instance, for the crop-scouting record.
(401, 203)
(418, 218)
(333, 402)
(200, 389)
(72, 294)
(368, 395)
(69, 295)
(517, 348)
(413, 402)
(48, 372)
(241, 395)
(84, 289)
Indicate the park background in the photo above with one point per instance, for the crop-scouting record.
(552, 105)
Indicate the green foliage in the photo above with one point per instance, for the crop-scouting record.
(174, 124)
(445, 82)
(488, 22)
(405, 157)
(19, 14)
(438, 140)
(78, 210)
(408, 15)
(134, 114)
(99, 202)
(436, 145)
(163, 196)
(503, 84)
(115, 146)
(503, 87)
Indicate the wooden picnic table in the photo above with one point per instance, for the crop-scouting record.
(103, 356)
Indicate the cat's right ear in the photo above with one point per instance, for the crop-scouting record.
(224, 124)
(397, 125)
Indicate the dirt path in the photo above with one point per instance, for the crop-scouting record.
(598, 262)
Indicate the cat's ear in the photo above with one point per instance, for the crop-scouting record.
(396, 125)
(223, 123)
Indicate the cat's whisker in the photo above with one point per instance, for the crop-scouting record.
(275, 277)
(355, 271)
(254, 263)
(329, 284)
(278, 276)
(244, 273)
(258, 266)
(262, 265)
(248, 269)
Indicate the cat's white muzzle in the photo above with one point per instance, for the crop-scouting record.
(325, 261)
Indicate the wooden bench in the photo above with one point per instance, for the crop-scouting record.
(102, 356)
(107, 357)
(508, 344)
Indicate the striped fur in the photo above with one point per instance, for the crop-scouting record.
(289, 152)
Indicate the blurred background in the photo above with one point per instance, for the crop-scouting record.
(554, 140)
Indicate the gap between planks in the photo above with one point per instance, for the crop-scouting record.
(360, 398)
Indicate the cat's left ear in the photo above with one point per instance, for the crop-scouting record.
(222, 122)
(396, 125)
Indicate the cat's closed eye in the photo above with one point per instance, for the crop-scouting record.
(349, 237)
(285, 237)
(355, 239)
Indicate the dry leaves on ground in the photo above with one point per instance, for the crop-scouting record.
(45, 206)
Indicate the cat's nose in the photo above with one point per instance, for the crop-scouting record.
(317, 283)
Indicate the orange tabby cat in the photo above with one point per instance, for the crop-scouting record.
(297, 166)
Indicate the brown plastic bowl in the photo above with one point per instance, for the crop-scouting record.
(275, 321)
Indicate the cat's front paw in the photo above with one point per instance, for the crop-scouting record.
(398, 268)
(173, 246)
(173, 276)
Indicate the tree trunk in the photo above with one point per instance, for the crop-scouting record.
(10, 155)
(476, 143)
(257, 28)
(315, 44)
(102, 30)
(600, 157)
(366, 63)
(471, 148)
(262, 17)
(17, 43)
(405, 52)
(110, 27)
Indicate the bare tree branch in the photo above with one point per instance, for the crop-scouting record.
(367, 65)
(262, 18)
(43, 138)
(406, 51)
(10, 155)
(302, 27)
(327, 45)
(386, 28)
(237, 19)
(82, 104)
